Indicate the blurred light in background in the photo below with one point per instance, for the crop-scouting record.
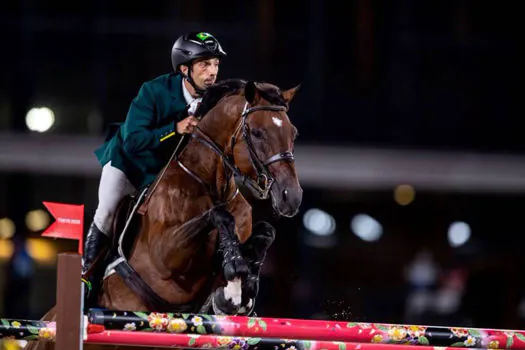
(366, 227)
(7, 228)
(42, 250)
(458, 233)
(37, 220)
(404, 194)
(422, 270)
(40, 119)
(319, 222)
(7, 248)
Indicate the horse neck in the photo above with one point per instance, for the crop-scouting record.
(221, 121)
(218, 125)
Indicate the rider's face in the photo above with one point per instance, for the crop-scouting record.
(205, 72)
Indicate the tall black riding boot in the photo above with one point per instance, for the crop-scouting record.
(95, 242)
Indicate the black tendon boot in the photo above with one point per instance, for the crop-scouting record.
(95, 242)
(233, 263)
(254, 251)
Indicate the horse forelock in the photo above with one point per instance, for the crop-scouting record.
(271, 93)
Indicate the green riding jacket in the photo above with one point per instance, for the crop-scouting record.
(143, 143)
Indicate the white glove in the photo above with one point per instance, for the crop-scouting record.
(193, 106)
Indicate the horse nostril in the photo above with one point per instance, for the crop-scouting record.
(285, 195)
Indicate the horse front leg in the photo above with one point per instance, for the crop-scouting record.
(227, 300)
(254, 251)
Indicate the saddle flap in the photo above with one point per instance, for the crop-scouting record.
(122, 215)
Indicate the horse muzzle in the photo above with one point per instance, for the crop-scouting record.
(286, 197)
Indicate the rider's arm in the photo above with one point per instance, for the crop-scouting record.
(140, 130)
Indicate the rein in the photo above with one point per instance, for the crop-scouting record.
(262, 185)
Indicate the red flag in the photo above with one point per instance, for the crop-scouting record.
(69, 222)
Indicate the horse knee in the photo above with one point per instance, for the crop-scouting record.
(263, 235)
(223, 220)
(263, 228)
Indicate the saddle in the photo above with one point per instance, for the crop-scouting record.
(126, 224)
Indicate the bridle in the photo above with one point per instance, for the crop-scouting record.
(263, 183)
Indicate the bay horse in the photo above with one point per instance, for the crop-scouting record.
(195, 245)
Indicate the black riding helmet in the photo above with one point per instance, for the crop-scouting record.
(191, 46)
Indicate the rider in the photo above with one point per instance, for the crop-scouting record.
(135, 153)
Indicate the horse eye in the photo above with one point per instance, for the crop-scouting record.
(257, 133)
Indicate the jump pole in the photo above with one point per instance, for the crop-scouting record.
(144, 327)
(209, 341)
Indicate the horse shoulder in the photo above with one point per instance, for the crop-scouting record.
(177, 201)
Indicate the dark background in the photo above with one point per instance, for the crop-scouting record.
(404, 74)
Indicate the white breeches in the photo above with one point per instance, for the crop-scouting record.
(114, 185)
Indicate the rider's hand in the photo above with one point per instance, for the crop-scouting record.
(187, 125)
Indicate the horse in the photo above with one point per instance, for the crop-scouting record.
(195, 247)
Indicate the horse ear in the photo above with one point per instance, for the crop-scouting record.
(250, 91)
(290, 93)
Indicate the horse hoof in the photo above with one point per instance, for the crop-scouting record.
(246, 309)
(223, 303)
(228, 301)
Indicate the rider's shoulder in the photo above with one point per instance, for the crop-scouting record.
(164, 80)
(163, 83)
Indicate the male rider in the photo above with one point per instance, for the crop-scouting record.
(158, 117)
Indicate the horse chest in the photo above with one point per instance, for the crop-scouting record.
(242, 212)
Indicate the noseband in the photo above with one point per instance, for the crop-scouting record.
(262, 185)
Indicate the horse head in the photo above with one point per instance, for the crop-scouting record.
(264, 146)
(248, 122)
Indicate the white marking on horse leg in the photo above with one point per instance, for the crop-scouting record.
(233, 291)
(277, 121)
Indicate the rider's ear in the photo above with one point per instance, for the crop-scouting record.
(184, 69)
(290, 93)
(250, 91)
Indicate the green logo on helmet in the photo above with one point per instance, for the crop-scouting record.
(203, 36)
